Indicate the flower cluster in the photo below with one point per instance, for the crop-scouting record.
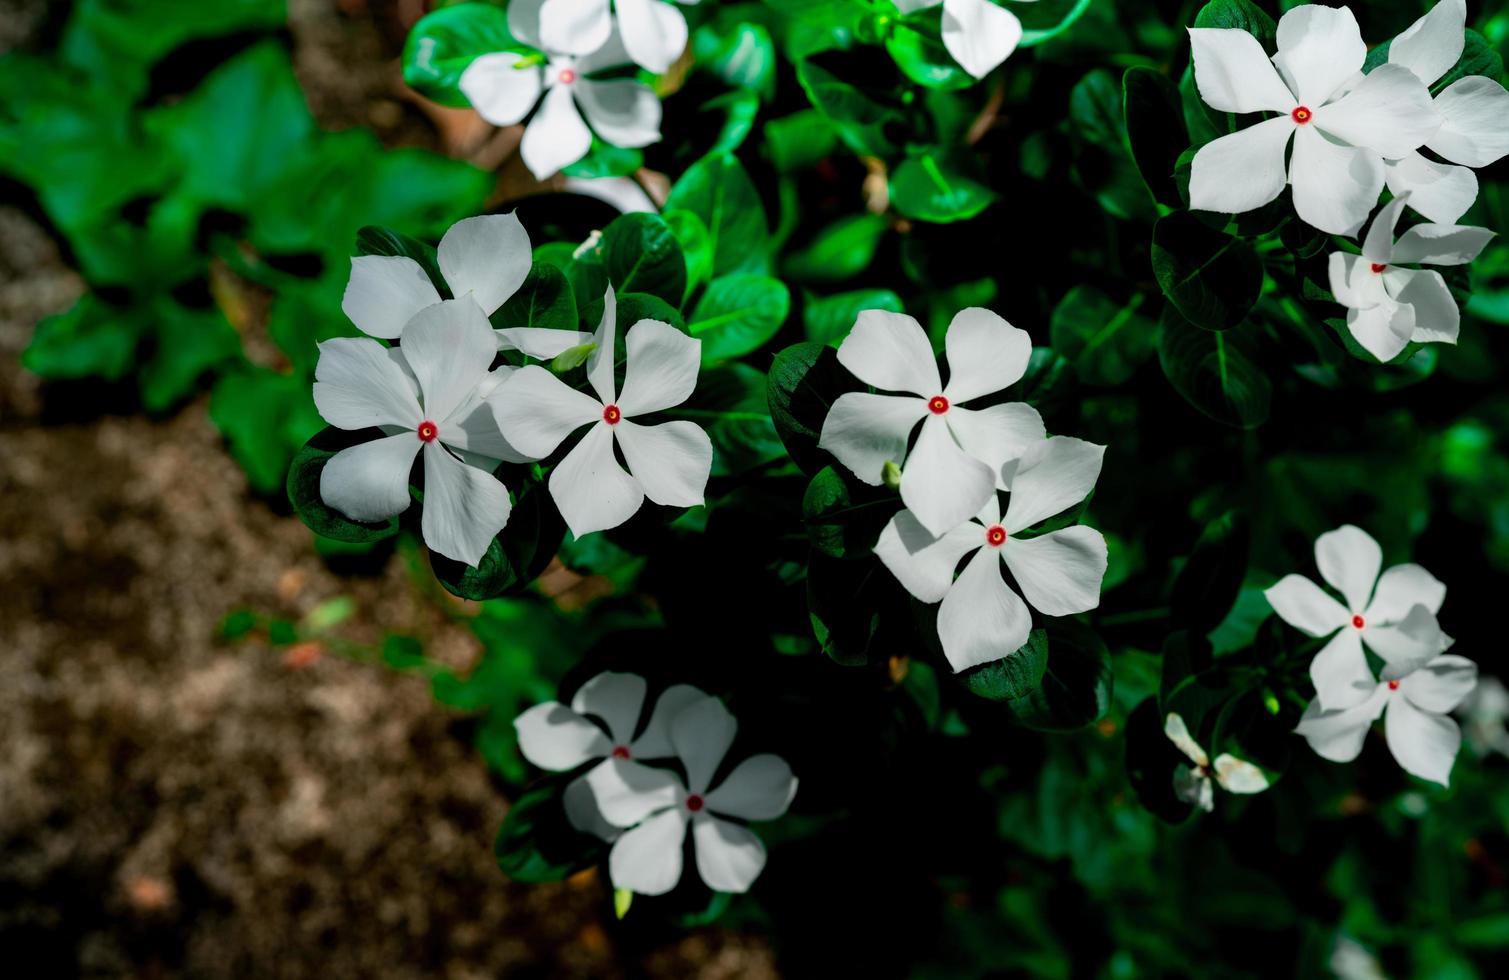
(952, 475)
(646, 811)
(1393, 615)
(438, 393)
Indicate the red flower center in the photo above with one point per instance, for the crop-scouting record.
(937, 404)
(567, 76)
(1301, 114)
(1393, 685)
(694, 803)
(620, 752)
(428, 431)
(1377, 268)
(995, 535)
(611, 414)
(1358, 622)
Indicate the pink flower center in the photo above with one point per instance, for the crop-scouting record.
(428, 431)
(995, 535)
(611, 414)
(937, 404)
(694, 803)
(1378, 268)
(1393, 685)
(620, 752)
(567, 76)
(1301, 114)
(1358, 622)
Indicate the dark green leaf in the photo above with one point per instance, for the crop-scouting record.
(544, 300)
(844, 517)
(804, 382)
(1155, 129)
(830, 318)
(537, 843)
(718, 191)
(1076, 686)
(1211, 277)
(374, 240)
(1014, 677)
(1105, 341)
(938, 186)
(1242, 15)
(641, 255)
(738, 314)
(514, 558)
(1208, 584)
(445, 41)
(1214, 371)
(840, 251)
(729, 404)
(304, 491)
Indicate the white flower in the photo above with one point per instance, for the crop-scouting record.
(654, 33)
(1342, 124)
(1414, 697)
(1396, 619)
(486, 258)
(424, 396)
(505, 85)
(1388, 305)
(979, 34)
(655, 803)
(1474, 112)
(957, 461)
(1194, 785)
(558, 738)
(669, 462)
(1485, 712)
(981, 618)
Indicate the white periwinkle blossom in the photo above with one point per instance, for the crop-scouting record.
(669, 462)
(505, 85)
(1389, 305)
(1474, 118)
(1394, 614)
(981, 618)
(979, 34)
(957, 461)
(1414, 697)
(1195, 783)
(558, 738)
(1343, 125)
(659, 807)
(424, 396)
(654, 33)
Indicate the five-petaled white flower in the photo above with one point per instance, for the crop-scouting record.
(659, 807)
(1397, 619)
(505, 85)
(558, 738)
(1195, 783)
(1342, 125)
(1389, 305)
(957, 461)
(654, 33)
(1414, 696)
(425, 396)
(1474, 118)
(979, 34)
(669, 462)
(981, 618)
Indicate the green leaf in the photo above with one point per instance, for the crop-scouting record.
(641, 255)
(738, 314)
(266, 417)
(1014, 677)
(840, 251)
(1211, 277)
(1242, 15)
(304, 492)
(445, 41)
(605, 160)
(92, 338)
(1207, 586)
(858, 99)
(718, 191)
(633, 307)
(187, 344)
(805, 380)
(537, 843)
(829, 319)
(844, 517)
(375, 240)
(856, 610)
(1215, 372)
(543, 300)
(740, 53)
(730, 406)
(696, 246)
(1103, 162)
(1155, 129)
(936, 186)
(237, 624)
(1076, 684)
(1106, 342)
(914, 41)
(515, 558)
(800, 140)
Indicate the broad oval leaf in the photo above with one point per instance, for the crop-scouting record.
(445, 41)
(1214, 371)
(738, 314)
(1213, 278)
(641, 255)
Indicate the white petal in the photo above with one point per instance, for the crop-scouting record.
(359, 383)
(582, 812)
(922, 563)
(661, 370)
(536, 410)
(604, 356)
(623, 112)
(555, 738)
(867, 431)
(1440, 191)
(473, 428)
(996, 435)
(370, 482)
(1383, 330)
(556, 137)
(1378, 243)
(729, 857)
(1349, 559)
(627, 791)
(890, 351)
(612, 54)
(1237, 776)
(655, 742)
(1193, 786)
(1335, 187)
(590, 489)
(702, 733)
(622, 193)
(1233, 72)
(1242, 171)
(985, 353)
(1340, 672)
(1402, 587)
(1389, 111)
(449, 347)
(1436, 317)
(1441, 685)
(1342, 268)
(1059, 573)
(524, 21)
(671, 461)
(500, 92)
(1433, 244)
(615, 697)
(574, 26)
(1305, 606)
(1053, 476)
(1424, 744)
(1475, 122)
(384, 292)
(464, 507)
(979, 34)
(1178, 733)
(1338, 735)
(981, 619)
(654, 34)
(1432, 44)
(759, 788)
(487, 257)
(647, 859)
(541, 343)
(1319, 49)
(941, 484)
(1406, 644)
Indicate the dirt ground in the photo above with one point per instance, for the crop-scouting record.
(172, 806)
